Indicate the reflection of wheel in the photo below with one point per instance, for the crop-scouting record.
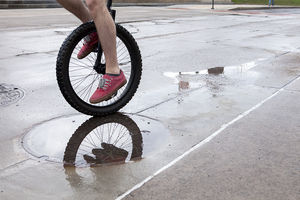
(79, 78)
(116, 130)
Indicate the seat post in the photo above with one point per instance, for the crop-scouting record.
(112, 12)
(109, 3)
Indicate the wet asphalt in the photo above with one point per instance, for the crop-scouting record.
(216, 115)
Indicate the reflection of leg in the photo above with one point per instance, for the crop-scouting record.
(77, 8)
(74, 179)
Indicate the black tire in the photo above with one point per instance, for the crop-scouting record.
(116, 129)
(77, 79)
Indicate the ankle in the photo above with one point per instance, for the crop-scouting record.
(113, 70)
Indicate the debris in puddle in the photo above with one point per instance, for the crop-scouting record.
(10, 94)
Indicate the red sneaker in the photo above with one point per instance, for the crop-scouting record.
(108, 86)
(90, 42)
(110, 154)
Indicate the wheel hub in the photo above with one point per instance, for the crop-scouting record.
(100, 68)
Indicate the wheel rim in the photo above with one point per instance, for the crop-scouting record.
(84, 79)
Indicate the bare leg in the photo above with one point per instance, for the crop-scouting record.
(107, 33)
(77, 8)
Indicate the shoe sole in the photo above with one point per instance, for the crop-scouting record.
(93, 47)
(109, 95)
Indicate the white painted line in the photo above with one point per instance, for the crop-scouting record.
(206, 140)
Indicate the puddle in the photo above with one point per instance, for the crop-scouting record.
(10, 94)
(82, 141)
(215, 78)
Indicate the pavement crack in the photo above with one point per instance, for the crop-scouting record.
(169, 34)
(176, 96)
(285, 53)
(149, 56)
(35, 53)
(15, 165)
(27, 54)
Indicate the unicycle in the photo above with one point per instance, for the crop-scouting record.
(79, 78)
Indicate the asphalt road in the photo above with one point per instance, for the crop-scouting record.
(216, 115)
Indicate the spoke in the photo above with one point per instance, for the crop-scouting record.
(79, 81)
(89, 142)
(77, 63)
(87, 89)
(79, 67)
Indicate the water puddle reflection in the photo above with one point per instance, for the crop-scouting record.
(81, 141)
(215, 78)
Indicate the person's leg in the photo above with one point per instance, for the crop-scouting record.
(107, 33)
(114, 78)
(77, 8)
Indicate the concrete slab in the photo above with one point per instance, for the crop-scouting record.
(223, 83)
(243, 162)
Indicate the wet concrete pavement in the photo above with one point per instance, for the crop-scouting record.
(216, 113)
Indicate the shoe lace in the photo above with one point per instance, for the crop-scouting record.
(104, 83)
(87, 39)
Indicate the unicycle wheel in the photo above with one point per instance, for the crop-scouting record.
(78, 78)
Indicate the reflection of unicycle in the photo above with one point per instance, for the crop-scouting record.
(105, 140)
(79, 78)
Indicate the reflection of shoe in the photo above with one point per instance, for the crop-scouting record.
(108, 86)
(89, 44)
(110, 153)
(89, 159)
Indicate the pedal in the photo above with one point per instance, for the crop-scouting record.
(95, 50)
